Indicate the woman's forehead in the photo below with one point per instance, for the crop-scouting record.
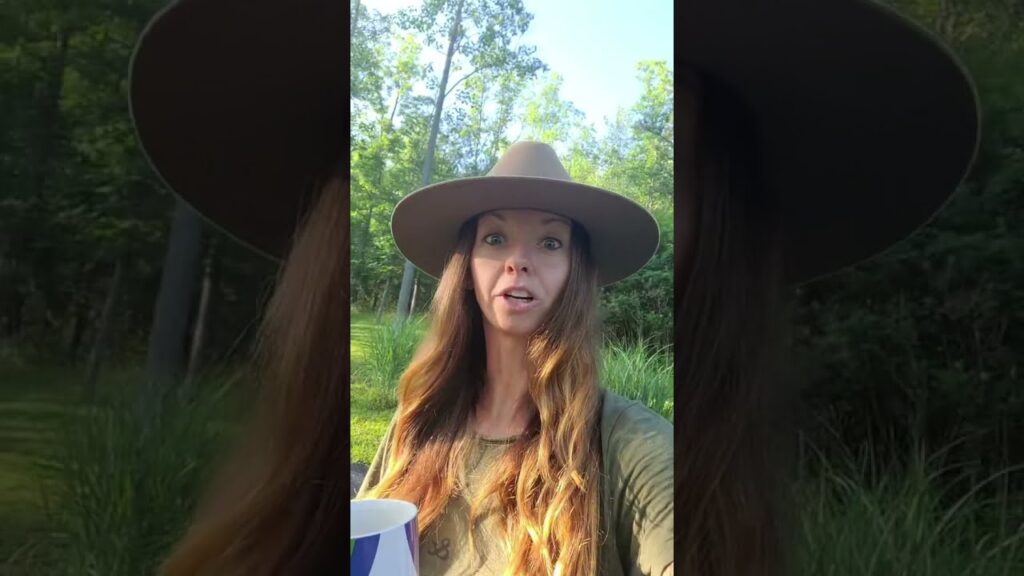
(525, 215)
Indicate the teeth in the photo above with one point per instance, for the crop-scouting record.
(518, 296)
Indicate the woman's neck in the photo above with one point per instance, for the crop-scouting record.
(504, 408)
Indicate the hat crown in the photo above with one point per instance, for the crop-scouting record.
(530, 159)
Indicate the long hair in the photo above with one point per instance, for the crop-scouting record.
(730, 331)
(277, 506)
(546, 486)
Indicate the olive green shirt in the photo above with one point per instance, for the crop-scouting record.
(636, 504)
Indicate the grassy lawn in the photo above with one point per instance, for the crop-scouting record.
(35, 401)
(361, 325)
(368, 424)
(38, 404)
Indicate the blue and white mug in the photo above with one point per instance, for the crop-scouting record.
(384, 538)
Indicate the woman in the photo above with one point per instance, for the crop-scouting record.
(815, 135)
(519, 462)
(247, 126)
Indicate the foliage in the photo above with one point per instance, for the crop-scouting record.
(904, 520)
(77, 194)
(640, 306)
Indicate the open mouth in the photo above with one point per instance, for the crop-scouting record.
(519, 298)
(518, 295)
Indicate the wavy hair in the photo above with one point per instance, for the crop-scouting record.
(546, 486)
(730, 355)
(277, 504)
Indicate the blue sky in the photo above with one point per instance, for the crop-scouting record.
(593, 44)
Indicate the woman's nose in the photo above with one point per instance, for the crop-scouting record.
(517, 260)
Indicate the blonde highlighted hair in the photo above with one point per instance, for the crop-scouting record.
(546, 486)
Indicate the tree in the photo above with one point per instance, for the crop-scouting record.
(165, 359)
(548, 118)
(484, 36)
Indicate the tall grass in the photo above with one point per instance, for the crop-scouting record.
(640, 371)
(389, 349)
(124, 492)
(907, 521)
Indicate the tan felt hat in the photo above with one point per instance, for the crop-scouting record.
(623, 235)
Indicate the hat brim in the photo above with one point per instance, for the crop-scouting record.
(623, 235)
(866, 122)
(238, 106)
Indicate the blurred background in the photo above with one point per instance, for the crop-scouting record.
(912, 424)
(112, 297)
(913, 414)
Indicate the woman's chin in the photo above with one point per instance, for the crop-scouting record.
(517, 327)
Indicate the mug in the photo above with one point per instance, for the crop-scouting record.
(384, 539)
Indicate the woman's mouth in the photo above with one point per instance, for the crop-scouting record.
(520, 297)
(518, 300)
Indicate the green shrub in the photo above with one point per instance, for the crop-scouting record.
(640, 307)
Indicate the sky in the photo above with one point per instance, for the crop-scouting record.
(593, 44)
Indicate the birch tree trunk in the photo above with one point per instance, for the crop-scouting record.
(409, 272)
(166, 353)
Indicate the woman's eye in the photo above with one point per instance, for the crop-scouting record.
(551, 243)
(494, 239)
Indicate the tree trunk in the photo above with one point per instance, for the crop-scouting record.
(103, 329)
(382, 303)
(199, 326)
(355, 22)
(166, 353)
(365, 235)
(415, 290)
(409, 271)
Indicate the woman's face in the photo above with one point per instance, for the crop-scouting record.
(519, 264)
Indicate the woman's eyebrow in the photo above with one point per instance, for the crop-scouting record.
(556, 219)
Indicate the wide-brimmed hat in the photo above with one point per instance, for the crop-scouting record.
(866, 122)
(239, 107)
(623, 235)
